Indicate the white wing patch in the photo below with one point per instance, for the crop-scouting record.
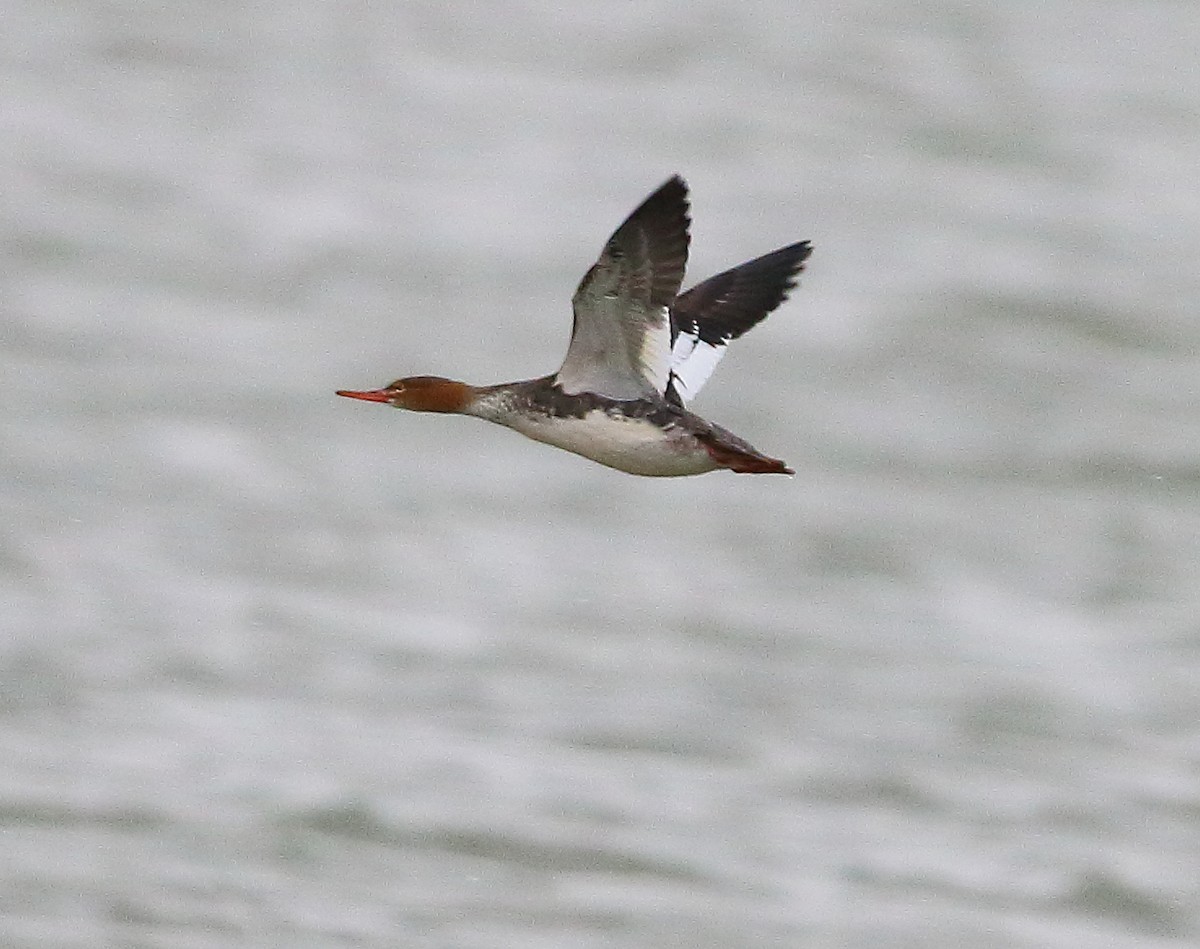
(654, 356)
(692, 362)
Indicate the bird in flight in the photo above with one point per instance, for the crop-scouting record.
(639, 351)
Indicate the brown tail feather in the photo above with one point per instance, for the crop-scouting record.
(742, 461)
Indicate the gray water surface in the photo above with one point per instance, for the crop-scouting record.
(278, 669)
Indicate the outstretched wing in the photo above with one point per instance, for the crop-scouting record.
(620, 342)
(706, 318)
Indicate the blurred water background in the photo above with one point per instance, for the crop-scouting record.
(279, 669)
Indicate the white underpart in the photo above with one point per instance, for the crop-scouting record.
(692, 362)
(632, 445)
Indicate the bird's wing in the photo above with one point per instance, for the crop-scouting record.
(620, 342)
(706, 318)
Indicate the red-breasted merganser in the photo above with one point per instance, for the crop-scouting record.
(639, 349)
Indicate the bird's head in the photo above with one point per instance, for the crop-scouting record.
(419, 394)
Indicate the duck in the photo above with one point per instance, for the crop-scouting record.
(640, 350)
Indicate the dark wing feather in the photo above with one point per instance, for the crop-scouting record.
(724, 307)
